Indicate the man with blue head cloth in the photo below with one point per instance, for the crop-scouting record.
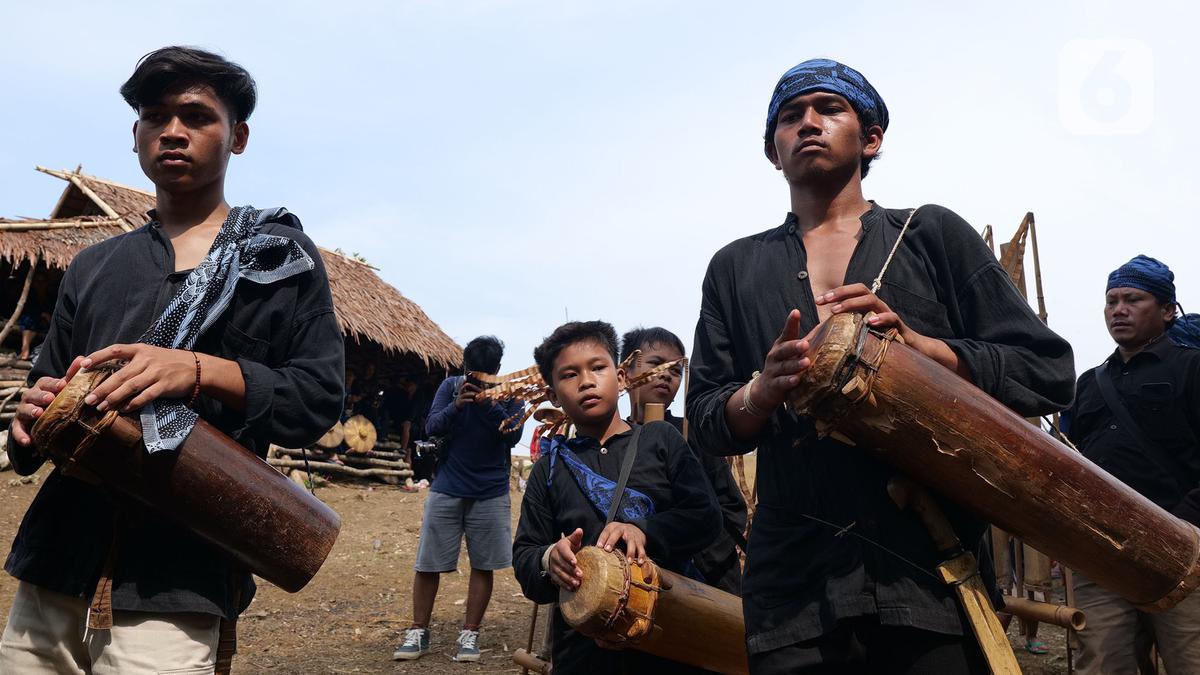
(1137, 415)
(837, 578)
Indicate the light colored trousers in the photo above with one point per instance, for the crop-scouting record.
(1115, 628)
(46, 634)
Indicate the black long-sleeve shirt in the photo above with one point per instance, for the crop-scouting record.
(1160, 387)
(287, 342)
(802, 574)
(719, 561)
(686, 519)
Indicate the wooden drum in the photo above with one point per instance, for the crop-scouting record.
(656, 611)
(870, 389)
(211, 485)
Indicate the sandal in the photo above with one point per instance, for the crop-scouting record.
(1037, 647)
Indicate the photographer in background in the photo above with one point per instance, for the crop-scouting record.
(469, 496)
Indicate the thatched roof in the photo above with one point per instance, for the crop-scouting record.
(54, 242)
(92, 209)
(367, 307)
(91, 196)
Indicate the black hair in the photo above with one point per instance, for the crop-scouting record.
(643, 337)
(574, 332)
(165, 70)
(483, 354)
(866, 120)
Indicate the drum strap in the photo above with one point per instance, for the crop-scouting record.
(626, 467)
(100, 613)
(1152, 451)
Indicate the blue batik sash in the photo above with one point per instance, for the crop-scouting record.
(598, 489)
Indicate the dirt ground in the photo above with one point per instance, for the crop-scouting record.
(349, 619)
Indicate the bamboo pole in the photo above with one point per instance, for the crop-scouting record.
(35, 225)
(337, 468)
(12, 320)
(1044, 612)
(1037, 270)
(530, 662)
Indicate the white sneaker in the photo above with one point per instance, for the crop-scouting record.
(416, 644)
(468, 645)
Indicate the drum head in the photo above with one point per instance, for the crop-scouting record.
(599, 596)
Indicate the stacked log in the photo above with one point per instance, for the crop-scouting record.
(372, 464)
(13, 373)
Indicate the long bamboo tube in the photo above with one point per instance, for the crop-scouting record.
(1044, 612)
(526, 660)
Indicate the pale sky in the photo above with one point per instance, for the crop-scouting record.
(510, 164)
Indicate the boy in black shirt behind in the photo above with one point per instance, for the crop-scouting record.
(719, 562)
(667, 513)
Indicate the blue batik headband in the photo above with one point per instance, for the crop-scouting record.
(831, 76)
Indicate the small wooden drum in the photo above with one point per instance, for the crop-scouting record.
(211, 485)
(656, 611)
(869, 389)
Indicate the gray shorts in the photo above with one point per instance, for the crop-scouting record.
(487, 524)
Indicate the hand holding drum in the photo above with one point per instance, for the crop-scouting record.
(211, 485)
(653, 610)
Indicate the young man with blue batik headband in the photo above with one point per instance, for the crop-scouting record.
(837, 578)
(1154, 375)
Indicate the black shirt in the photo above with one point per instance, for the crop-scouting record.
(1160, 387)
(286, 340)
(801, 575)
(719, 561)
(686, 519)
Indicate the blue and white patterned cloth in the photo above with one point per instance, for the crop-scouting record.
(238, 252)
(833, 77)
(598, 489)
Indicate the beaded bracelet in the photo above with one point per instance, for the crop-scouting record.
(196, 388)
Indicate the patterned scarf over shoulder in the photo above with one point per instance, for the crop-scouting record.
(598, 489)
(238, 252)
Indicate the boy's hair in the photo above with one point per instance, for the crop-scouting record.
(642, 337)
(167, 69)
(483, 354)
(574, 332)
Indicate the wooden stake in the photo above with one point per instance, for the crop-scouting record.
(12, 320)
(962, 573)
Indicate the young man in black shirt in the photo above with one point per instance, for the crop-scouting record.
(817, 597)
(208, 310)
(667, 513)
(719, 562)
(1157, 381)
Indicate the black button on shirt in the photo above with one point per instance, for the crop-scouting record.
(286, 340)
(1160, 386)
(801, 576)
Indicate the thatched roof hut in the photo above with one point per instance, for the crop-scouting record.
(381, 325)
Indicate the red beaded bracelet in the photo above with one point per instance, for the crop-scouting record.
(195, 389)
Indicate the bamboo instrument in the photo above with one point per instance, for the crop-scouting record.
(654, 610)
(869, 389)
(210, 484)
